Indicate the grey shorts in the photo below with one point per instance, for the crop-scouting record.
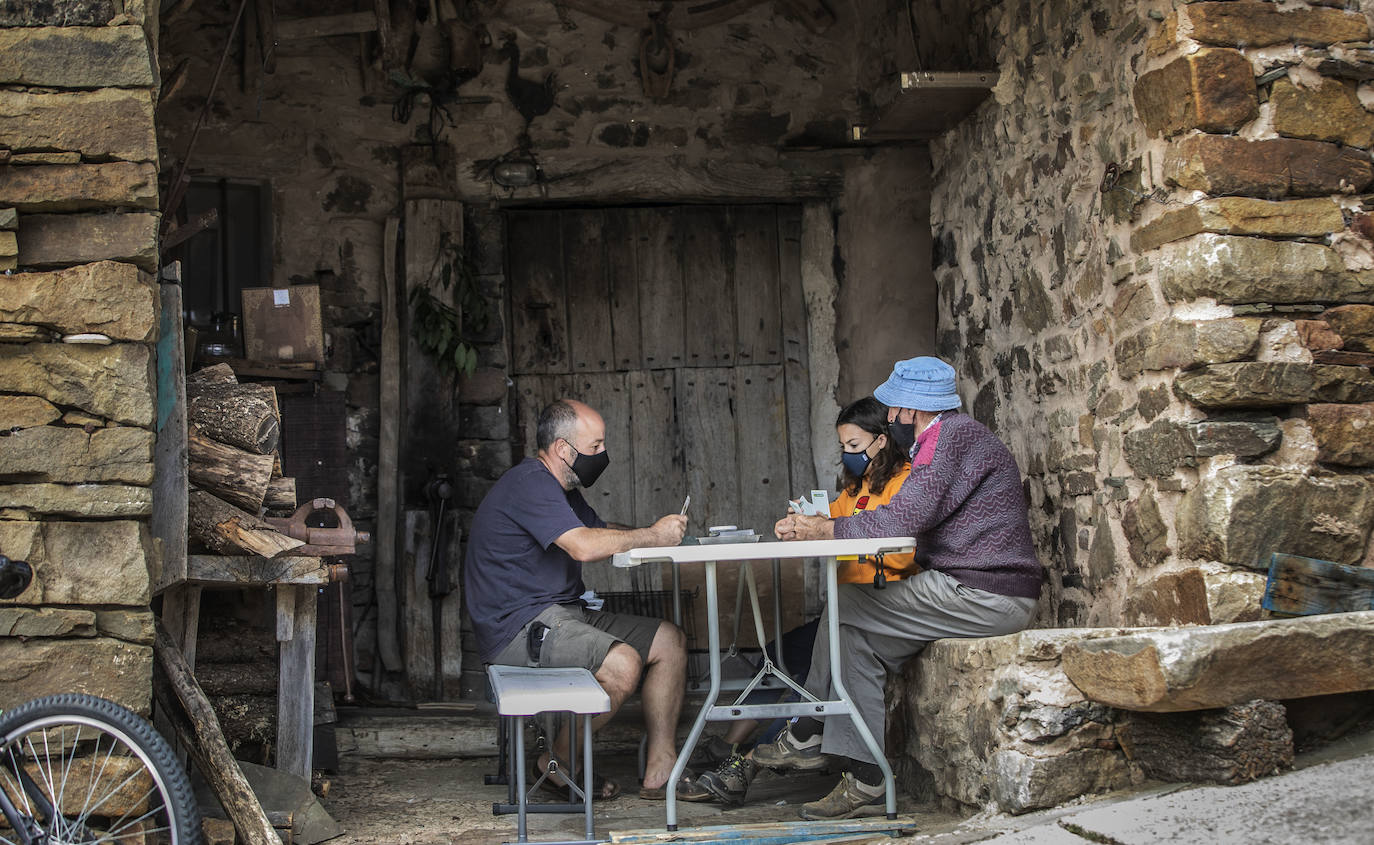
(577, 636)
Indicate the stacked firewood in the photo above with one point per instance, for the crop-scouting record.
(234, 465)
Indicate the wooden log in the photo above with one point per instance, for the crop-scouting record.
(214, 374)
(238, 417)
(281, 495)
(265, 392)
(1232, 745)
(199, 730)
(225, 529)
(238, 678)
(238, 477)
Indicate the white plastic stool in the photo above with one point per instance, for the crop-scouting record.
(519, 692)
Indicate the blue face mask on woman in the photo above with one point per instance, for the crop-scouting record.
(856, 463)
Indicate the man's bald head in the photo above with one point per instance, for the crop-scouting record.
(561, 420)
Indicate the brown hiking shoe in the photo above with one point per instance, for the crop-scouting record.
(730, 781)
(786, 753)
(848, 799)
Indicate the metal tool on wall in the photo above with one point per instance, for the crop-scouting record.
(439, 490)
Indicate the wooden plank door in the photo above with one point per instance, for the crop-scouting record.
(685, 327)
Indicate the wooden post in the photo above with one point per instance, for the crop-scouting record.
(198, 729)
(169, 453)
(296, 610)
(388, 464)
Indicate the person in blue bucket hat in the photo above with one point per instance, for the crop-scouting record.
(964, 504)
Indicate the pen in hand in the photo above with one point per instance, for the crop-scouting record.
(685, 502)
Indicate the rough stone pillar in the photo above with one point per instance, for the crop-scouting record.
(78, 320)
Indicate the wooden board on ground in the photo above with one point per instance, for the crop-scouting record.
(283, 324)
(1301, 586)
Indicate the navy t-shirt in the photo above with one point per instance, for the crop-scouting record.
(512, 569)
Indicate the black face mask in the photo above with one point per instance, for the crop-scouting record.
(588, 468)
(903, 434)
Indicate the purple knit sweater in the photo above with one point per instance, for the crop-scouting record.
(964, 505)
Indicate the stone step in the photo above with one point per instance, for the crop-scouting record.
(1221, 665)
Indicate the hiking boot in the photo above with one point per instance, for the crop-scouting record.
(786, 753)
(849, 798)
(730, 781)
(713, 751)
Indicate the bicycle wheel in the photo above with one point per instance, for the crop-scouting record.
(82, 770)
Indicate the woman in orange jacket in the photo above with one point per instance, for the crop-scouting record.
(873, 468)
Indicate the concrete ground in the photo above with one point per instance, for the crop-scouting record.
(1323, 801)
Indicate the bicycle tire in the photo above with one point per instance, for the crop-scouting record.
(89, 744)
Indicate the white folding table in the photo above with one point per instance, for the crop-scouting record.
(809, 705)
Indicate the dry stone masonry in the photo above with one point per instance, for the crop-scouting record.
(1156, 269)
(78, 235)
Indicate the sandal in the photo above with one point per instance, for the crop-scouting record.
(603, 788)
(687, 790)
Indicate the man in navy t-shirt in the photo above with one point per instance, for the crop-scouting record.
(523, 577)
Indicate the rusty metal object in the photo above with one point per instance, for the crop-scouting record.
(341, 540)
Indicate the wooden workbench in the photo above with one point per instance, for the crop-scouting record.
(296, 581)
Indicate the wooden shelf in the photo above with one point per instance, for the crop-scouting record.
(250, 570)
(927, 104)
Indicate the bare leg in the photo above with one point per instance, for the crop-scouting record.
(740, 730)
(618, 675)
(665, 680)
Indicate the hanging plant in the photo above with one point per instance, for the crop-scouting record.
(439, 328)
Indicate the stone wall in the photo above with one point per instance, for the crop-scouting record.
(1154, 284)
(758, 106)
(78, 244)
(1155, 270)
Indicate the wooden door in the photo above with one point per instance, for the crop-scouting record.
(685, 327)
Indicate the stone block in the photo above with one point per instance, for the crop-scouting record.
(46, 622)
(108, 123)
(1238, 270)
(79, 187)
(95, 563)
(1244, 438)
(1242, 216)
(58, 12)
(76, 57)
(134, 626)
(962, 702)
(484, 386)
(60, 240)
(1224, 165)
(1250, 23)
(114, 382)
(119, 671)
(1317, 335)
(1021, 782)
(1212, 90)
(1157, 450)
(1185, 345)
(1213, 666)
(1231, 745)
(1354, 324)
(1243, 514)
(1147, 537)
(9, 220)
(487, 422)
(1255, 384)
(17, 412)
(71, 456)
(1344, 433)
(1329, 112)
(86, 500)
(107, 297)
(1197, 594)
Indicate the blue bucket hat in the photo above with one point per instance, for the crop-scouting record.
(925, 383)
